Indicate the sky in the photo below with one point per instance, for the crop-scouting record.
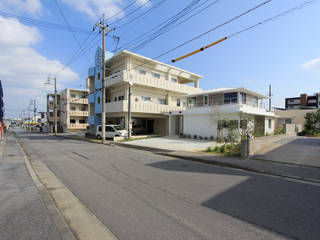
(284, 52)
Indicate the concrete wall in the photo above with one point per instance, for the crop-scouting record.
(296, 116)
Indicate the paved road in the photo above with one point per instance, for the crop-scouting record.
(138, 195)
(23, 214)
(298, 150)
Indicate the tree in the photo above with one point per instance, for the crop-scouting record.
(312, 122)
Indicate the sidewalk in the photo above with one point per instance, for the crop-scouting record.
(23, 214)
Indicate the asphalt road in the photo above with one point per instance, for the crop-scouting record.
(297, 150)
(139, 195)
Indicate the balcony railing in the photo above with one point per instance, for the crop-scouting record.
(225, 101)
(77, 126)
(141, 107)
(79, 100)
(138, 79)
(79, 113)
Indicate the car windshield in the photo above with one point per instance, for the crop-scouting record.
(117, 127)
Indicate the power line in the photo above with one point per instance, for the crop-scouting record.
(172, 27)
(216, 27)
(130, 13)
(299, 7)
(166, 23)
(45, 24)
(123, 9)
(72, 32)
(141, 15)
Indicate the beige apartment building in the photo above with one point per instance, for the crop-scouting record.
(73, 110)
(157, 89)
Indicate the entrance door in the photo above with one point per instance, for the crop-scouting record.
(150, 126)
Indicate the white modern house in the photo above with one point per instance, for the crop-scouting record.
(157, 88)
(211, 110)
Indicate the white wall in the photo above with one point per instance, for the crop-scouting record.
(200, 125)
(267, 130)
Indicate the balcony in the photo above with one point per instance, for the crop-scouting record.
(141, 107)
(138, 79)
(79, 113)
(79, 100)
(77, 126)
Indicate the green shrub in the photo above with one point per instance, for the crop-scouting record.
(195, 136)
(211, 138)
(205, 138)
(216, 149)
(223, 149)
(200, 137)
(208, 149)
(189, 136)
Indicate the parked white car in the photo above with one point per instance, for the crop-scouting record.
(111, 131)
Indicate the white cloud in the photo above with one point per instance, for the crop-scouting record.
(312, 65)
(32, 7)
(23, 70)
(95, 8)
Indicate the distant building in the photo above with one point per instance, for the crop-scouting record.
(303, 102)
(72, 110)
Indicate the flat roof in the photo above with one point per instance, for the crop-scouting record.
(152, 60)
(228, 90)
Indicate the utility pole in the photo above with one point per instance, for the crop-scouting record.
(34, 103)
(270, 98)
(53, 81)
(129, 109)
(104, 29)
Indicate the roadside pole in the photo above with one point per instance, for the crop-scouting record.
(129, 109)
(104, 29)
(49, 82)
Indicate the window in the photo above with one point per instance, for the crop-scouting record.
(222, 124)
(178, 102)
(205, 100)
(108, 100)
(175, 80)
(100, 129)
(72, 95)
(230, 97)
(82, 121)
(243, 98)
(184, 104)
(82, 96)
(72, 108)
(115, 99)
(98, 100)
(109, 129)
(98, 76)
(142, 72)
(120, 98)
(269, 123)
(147, 99)
(72, 121)
(155, 75)
(83, 109)
(162, 101)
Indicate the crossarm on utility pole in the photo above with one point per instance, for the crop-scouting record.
(199, 50)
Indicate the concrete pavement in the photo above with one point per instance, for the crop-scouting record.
(23, 214)
(140, 195)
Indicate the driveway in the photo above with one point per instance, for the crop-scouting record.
(297, 150)
(174, 143)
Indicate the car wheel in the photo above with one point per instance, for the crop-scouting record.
(99, 137)
(117, 135)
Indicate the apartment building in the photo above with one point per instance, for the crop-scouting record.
(50, 112)
(157, 89)
(303, 102)
(211, 110)
(72, 110)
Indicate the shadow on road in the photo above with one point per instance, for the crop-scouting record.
(287, 207)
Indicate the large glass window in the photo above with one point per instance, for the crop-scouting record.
(178, 102)
(162, 101)
(230, 98)
(72, 121)
(142, 72)
(120, 98)
(175, 80)
(243, 98)
(72, 95)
